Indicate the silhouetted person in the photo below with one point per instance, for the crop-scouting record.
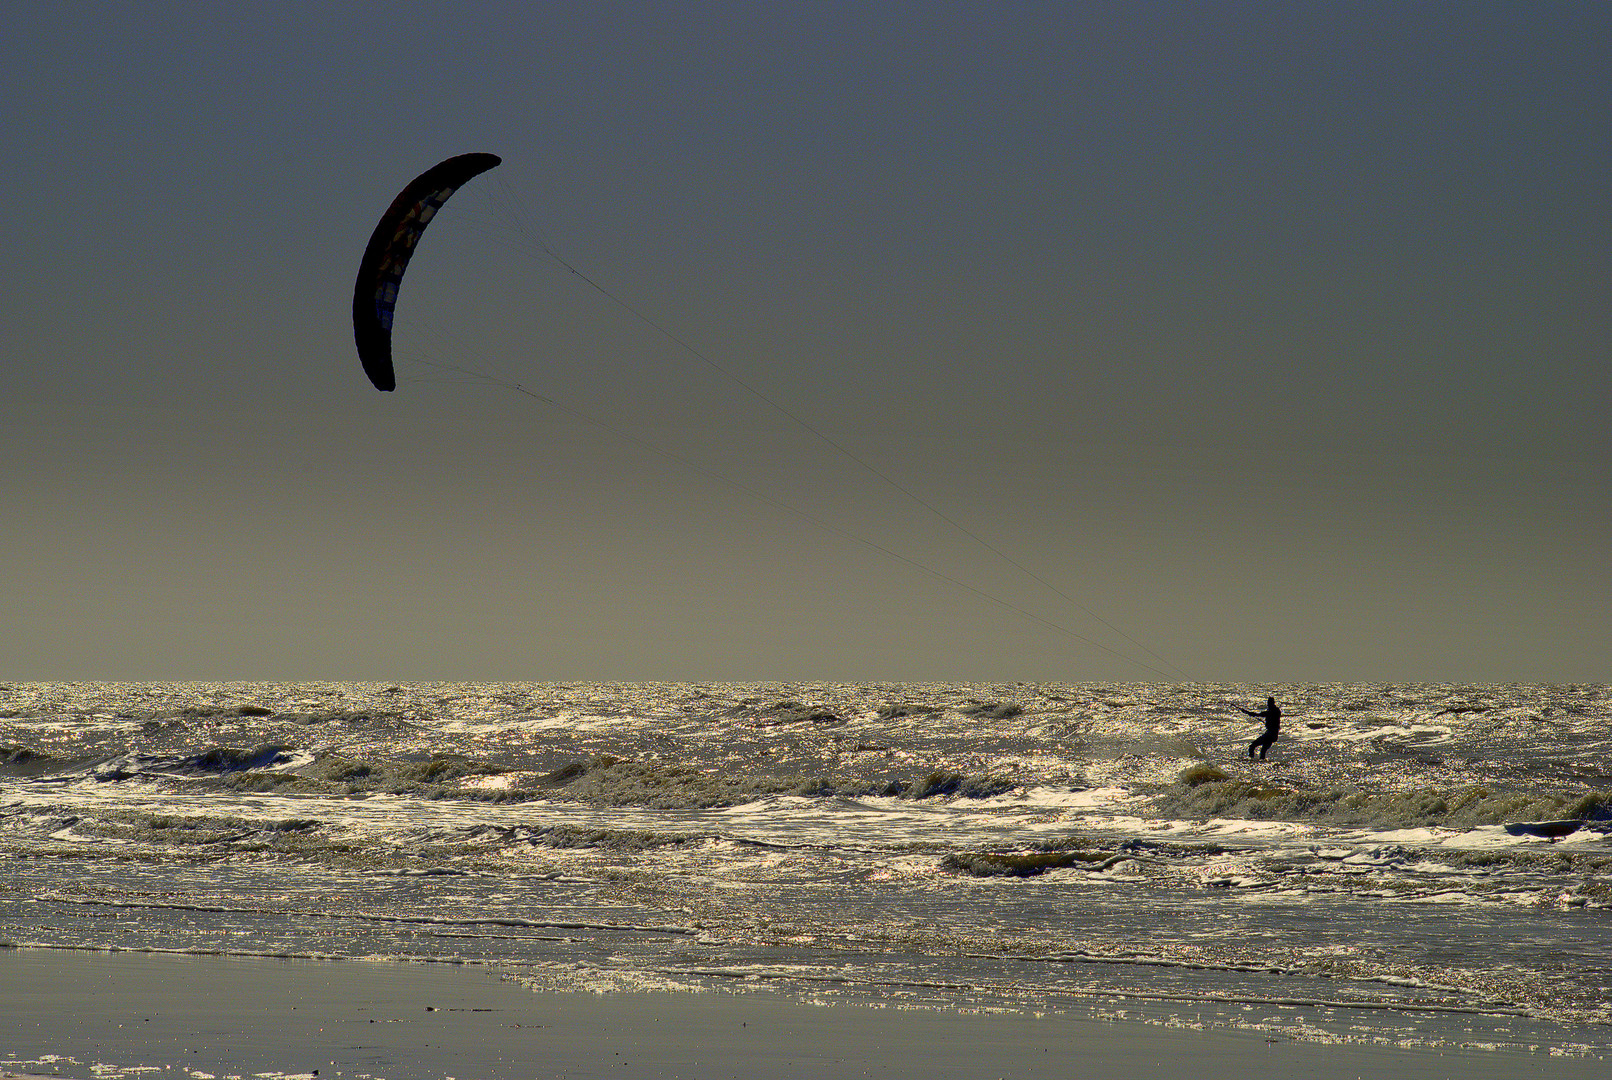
(1273, 726)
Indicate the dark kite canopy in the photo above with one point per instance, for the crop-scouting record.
(388, 253)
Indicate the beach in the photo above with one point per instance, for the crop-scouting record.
(266, 879)
(70, 1013)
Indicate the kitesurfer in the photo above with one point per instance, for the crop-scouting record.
(1273, 725)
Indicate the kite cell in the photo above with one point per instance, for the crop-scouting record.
(388, 253)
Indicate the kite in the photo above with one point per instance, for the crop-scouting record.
(387, 256)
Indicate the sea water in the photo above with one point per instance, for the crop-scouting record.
(1425, 865)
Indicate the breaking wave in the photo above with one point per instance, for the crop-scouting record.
(1204, 791)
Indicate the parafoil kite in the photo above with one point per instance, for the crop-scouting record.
(387, 256)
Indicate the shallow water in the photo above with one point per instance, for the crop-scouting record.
(1415, 863)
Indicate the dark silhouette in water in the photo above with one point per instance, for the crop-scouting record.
(1273, 726)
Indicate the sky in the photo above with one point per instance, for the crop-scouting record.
(1220, 342)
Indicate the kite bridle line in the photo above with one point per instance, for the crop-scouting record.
(508, 208)
(777, 504)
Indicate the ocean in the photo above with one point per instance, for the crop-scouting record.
(1419, 865)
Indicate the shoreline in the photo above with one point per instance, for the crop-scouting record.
(84, 1014)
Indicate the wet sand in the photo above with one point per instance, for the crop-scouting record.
(66, 1013)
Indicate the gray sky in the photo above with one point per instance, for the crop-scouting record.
(1272, 335)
